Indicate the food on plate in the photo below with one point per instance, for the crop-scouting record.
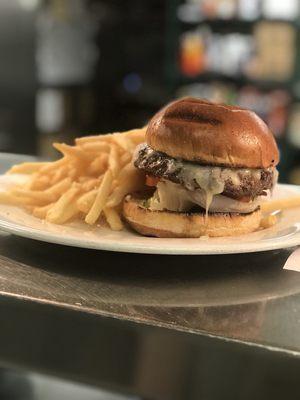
(268, 220)
(89, 182)
(198, 169)
(207, 166)
(281, 204)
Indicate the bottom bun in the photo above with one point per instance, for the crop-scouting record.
(170, 224)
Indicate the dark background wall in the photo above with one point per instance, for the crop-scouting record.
(17, 78)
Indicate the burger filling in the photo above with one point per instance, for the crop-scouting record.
(180, 185)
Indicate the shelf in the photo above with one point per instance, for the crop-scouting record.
(239, 80)
(235, 23)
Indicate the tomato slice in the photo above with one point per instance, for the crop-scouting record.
(245, 199)
(152, 180)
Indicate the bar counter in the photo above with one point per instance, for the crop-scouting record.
(161, 327)
(135, 322)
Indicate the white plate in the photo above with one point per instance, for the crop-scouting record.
(285, 234)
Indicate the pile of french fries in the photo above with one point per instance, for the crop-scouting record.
(89, 182)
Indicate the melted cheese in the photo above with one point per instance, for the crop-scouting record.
(210, 179)
(173, 197)
(170, 196)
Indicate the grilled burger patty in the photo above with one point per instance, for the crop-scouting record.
(239, 183)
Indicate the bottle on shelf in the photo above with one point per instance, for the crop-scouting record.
(66, 59)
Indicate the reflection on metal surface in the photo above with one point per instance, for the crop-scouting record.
(17, 385)
(226, 295)
(240, 321)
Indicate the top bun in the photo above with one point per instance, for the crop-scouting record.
(210, 133)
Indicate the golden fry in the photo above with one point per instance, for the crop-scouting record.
(52, 166)
(102, 195)
(113, 219)
(27, 167)
(93, 138)
(60, 187)
(113, 161)
(268, 221)
(59, 174)
(280, 204)
(83, 179)
(29, 208)
(39, 196)
(125, 159)
(28, 185)
(91, 184)
(39, 183)
(98, 165)
(62, 215)
(41, 212)
(91, 178)
(65, 208)
(13, 200)
(71, 151)
(96, 147)
(73, 172)
(136, 135)
(85, 202)
(130, 181)
(124, 142)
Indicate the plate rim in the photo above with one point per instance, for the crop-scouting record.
(144, 248)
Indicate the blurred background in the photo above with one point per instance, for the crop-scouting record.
(75, 67)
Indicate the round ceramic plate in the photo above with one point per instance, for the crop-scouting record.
(18, 222)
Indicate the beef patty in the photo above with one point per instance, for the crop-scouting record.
(239, 183)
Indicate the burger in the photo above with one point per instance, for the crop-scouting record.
(207, 167)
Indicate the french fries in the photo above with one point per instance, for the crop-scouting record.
(130, 180)
(268, 221)
(65, 208)
(280, 204)
(113, 162)
(85, 202)
(113, 219)
(89, 182)
(27, 167)
(100, 200)
(41, 212)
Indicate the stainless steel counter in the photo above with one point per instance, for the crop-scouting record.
(164, 327)
(249, 297)
(116, 320)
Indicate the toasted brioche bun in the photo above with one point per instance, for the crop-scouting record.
(180, 225)
(214, 134)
